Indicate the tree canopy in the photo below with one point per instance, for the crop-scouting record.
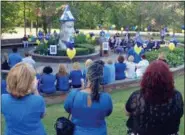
(89, 15)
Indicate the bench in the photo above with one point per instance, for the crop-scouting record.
(17, 42)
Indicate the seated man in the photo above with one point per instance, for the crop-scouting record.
(174, 40)
(25, 41)
(157, 45)
(14, 58)
(150, 44)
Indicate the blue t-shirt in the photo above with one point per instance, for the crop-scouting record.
(75, 77)
(23, 116)
(120, 71)
(111, 77)
(62, 83)
(3, 87)
(106, 74)
(14, 58)
(48, 83)
(88, 120)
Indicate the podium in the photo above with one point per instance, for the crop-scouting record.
(104, 49)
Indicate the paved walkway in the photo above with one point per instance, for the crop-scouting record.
(40, 65)
(20, 32)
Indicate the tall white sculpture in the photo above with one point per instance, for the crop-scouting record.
(67, 28)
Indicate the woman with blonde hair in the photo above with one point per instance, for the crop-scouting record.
(76, 76)
(88, 62)
(111, 73)
(62, 79)
(131, 68)
(23, 108)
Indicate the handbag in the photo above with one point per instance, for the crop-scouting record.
(63, 125)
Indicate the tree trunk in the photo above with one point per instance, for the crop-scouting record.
(44, 19)
(30, 20)
(37, 23)
(24, 18)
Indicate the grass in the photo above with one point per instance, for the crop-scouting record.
(116, 122)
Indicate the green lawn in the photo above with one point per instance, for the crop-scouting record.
(116, 122)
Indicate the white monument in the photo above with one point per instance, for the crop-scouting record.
(67, 28)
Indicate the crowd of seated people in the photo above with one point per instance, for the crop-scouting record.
(155, 109)
(124, 67)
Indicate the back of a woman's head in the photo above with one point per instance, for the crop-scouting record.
(76, 65)
(62, 70)
(157, 84)
(120, 59)
(20, 80)
(88, 62)
(94, 75)
(130, 58)
(47, 70)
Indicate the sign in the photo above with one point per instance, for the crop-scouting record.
(53, 49)
(105, 46)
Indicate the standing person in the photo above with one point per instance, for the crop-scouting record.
(25, 41)
(111, 67)
(141, 66)
(120, 68)
(23, 108)
(62, 79)
(47, 81)
(5, 65)
(155, 109)
(90, 106)
(162, 33)
(131, 67)
(76, 76)
(14, 58)
(28, 59)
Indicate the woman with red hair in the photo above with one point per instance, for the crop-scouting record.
(157, 107)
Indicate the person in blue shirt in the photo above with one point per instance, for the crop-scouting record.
(47, 81)
(62, 79)
(23, 108)
(174, 40)
(106, 74)
(111, 66)
(76, 76)
(40, 35)
(90, 106)
(3, 84)
(14, 58)
(120, 68)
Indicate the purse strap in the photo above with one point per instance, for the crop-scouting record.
(72, 104)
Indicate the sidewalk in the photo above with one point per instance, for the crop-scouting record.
(20, 32)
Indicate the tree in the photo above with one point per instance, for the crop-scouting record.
(8, 15)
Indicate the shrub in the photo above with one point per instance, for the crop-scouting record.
(89, 46)
(42, 49)
(174, 58)
(80, 39)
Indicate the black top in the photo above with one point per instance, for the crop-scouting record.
(150, 119)
(5, 66)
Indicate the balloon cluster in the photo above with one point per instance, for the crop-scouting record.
(71, 51)
(171, 46)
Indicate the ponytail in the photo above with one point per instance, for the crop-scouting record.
(95, 90)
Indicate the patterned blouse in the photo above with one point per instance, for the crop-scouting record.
(150, 119)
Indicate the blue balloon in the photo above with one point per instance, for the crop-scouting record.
(182, 27)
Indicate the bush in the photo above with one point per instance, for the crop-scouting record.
(174, 58)
(89, 46)
(83, 39)
(42, 49)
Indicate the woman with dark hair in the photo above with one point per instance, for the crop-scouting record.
(47, 81)
(120, 68)
(90, 106)
(157, 107)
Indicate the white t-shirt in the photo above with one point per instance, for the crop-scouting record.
(141, 67)
(130, 72)
(29, 60)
